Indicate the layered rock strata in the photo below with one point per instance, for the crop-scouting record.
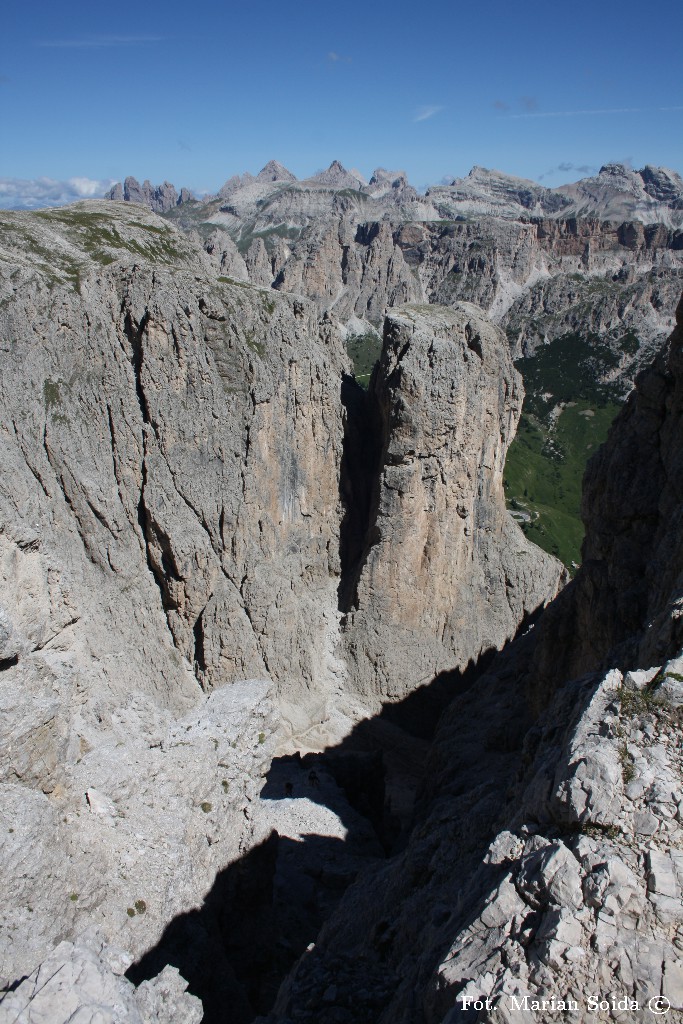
(538, 280)
(651, 195)
(600, 257)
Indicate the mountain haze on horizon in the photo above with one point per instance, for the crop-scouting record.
(483, 190)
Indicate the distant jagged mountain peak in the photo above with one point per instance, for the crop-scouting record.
(663, 184)
(380, 176)
(492, 173)
(615, 169)
(275, 171)
(615, 193)
(477, 171)
(159, 198)
(336, 176)
(650, 195)
(237, 181)
(487, 192)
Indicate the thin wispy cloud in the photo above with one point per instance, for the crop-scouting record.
(97, 42)
(424, 113)
(566, 167)
(338, 58)
(30, 194)
(593, 113)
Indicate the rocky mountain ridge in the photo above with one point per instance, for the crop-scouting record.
(188, 500)
(552, 277)
(227, 568)
(603, 256)
(651, 195)
(159, 198)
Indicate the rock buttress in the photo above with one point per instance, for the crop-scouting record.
(446, 573)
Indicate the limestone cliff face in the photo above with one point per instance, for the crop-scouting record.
(350, 271)
(633, 554)
(445, 573)
(544, 872)
(602, 256)
(169, 520)
(209, 423)
(538, 280)
(191, 499)
(225, 256)
(174, 448)
(543, 279)
(626, 601)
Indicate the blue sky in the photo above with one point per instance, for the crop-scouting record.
(195, 93)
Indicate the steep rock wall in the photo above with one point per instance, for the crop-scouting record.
(539, 279)
(169, 520)
(543, 878)
(445, 573)
(170, 526)
(625, 603)
(177, 441)
(351, 271)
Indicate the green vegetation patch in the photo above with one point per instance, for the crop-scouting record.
(51, 394)
(255, 344)
(568, 410)
(98, 232)
(567, 369)
(364, 352)
(647, 701)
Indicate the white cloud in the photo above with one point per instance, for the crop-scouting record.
(24, 194)
(87, 186)
(424, 113)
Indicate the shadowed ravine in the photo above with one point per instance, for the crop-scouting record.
(264, 910)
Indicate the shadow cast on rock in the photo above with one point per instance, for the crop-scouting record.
(265, 910)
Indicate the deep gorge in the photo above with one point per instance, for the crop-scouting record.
(279, 668)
